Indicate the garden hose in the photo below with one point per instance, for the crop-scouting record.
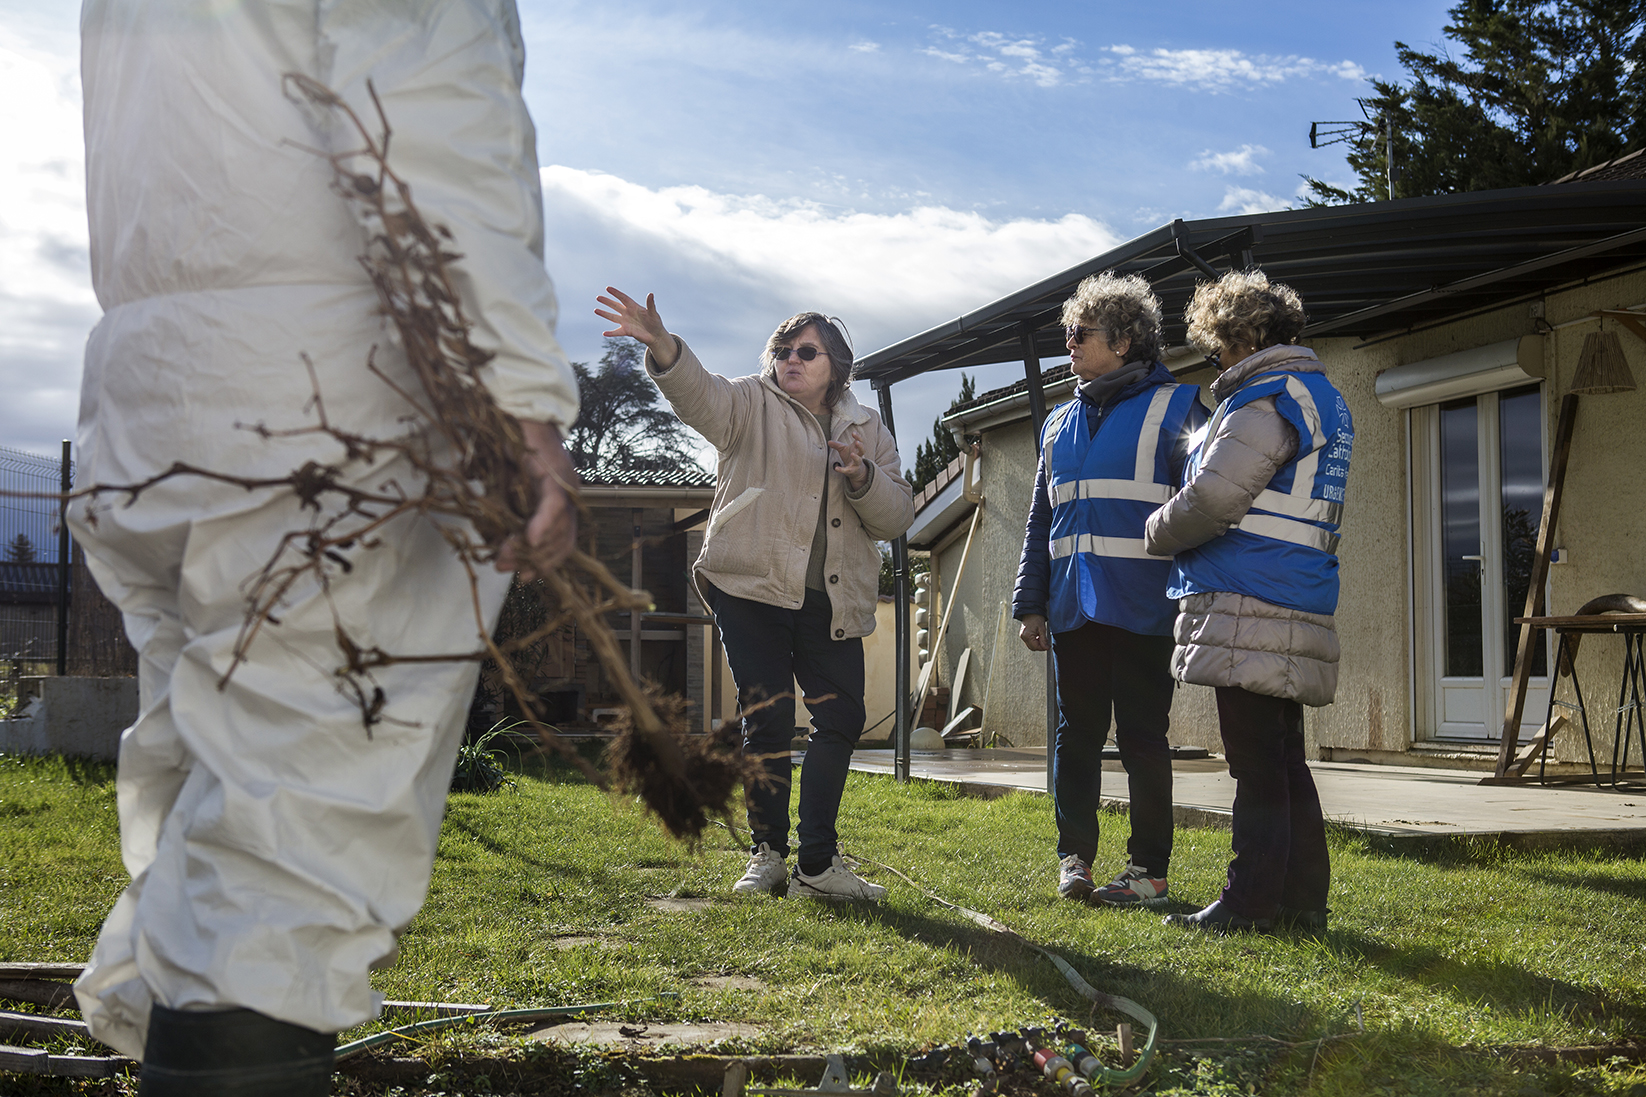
(417, 1028)
(1102, 1075)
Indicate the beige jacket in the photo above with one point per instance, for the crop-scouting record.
(1228, 638)
(772, 458)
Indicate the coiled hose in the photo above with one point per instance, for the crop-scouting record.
(1103, 1075)
(417, 1028)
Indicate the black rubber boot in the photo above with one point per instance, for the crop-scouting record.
(1218, 918)
(234, 1051)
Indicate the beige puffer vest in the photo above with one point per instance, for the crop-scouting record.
(1227, 638)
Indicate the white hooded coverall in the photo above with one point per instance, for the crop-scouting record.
(276, 848)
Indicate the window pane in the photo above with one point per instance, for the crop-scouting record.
(1460, 536)
(1520, 430)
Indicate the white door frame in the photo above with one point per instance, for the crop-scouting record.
(1445, 705)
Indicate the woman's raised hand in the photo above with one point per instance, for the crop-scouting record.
(640, 322)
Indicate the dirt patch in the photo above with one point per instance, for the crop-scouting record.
(728, 982)
(640, 1036)
(673, 905)
(571, 941)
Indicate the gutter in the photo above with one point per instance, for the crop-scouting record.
(647, 496)
(1014, 406)
(1003, 412)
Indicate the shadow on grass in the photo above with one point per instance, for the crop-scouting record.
(84, 771)
(1155, 988)
(1586, 881)
(500, 849)
(1486, 850)
(1509, 988)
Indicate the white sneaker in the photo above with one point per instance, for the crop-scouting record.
(835, 882)
(764, 873)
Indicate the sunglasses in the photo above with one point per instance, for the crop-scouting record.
(805, 354)
(1076, 334)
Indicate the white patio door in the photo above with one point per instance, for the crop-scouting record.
(1484, 502)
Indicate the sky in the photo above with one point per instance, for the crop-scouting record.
(895, 164)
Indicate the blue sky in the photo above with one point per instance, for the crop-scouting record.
(895, 164)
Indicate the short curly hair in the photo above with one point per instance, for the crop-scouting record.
(834, 341)
(1121, 307)
(1244, 308)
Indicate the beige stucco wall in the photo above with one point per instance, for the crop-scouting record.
(1017, 704)
(1372, 709)
(1603, 512)
(1602, 519)
(880, 675)
(1605, 494)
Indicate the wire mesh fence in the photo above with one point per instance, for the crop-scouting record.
(53, 619)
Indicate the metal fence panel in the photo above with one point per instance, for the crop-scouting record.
(53, 619)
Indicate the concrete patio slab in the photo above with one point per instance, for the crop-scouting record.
(1396, 802)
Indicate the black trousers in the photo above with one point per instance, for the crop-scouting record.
(1103, 671)
(1280, 855)
(770, 649)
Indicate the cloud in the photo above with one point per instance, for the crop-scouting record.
(46, 303)
(1218, 70)
(1242, 200)
(865, 47)
(727, 268)
(929, 261)
(1008, 56)
(1241, 161)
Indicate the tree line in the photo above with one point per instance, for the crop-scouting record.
(1521, 92)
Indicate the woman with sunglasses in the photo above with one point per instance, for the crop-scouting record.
(1087, 589)
(807, 482)
(1254, 538)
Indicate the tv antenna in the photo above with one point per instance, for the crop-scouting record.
(1322, 134)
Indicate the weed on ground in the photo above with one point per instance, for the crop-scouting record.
(1444, 972)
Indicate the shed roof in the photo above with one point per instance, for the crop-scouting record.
(1370, 270)
(682, 485)
(1631, 165)
(684, 475)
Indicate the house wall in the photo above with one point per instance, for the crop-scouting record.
(1377, 709)
(879, 676)
(1016, 709)
(1603, 512)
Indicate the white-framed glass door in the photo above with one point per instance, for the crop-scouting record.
(1480, 502)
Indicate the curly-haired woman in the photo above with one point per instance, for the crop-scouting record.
(1087, 588)
(807, 482)
(1254, 538)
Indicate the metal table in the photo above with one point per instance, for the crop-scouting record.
(1630, 718)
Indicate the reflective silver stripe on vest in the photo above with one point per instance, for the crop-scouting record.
(1295, 506)
(1308, 466)
(1142, 486)
(1124, 548)
(1148, 439)
(1147, 491)
(1285, 529)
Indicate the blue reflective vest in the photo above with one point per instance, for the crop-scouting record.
(1102, 487)
(1284, 550)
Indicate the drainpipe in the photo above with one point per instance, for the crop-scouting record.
(1037, 409)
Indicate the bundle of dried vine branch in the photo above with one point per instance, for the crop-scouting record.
(473, 457)
(473, 461)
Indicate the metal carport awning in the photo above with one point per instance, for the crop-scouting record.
(1373, 271)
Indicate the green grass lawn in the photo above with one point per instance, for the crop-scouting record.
(549, 893)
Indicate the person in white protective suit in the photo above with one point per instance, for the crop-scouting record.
(277, 848)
